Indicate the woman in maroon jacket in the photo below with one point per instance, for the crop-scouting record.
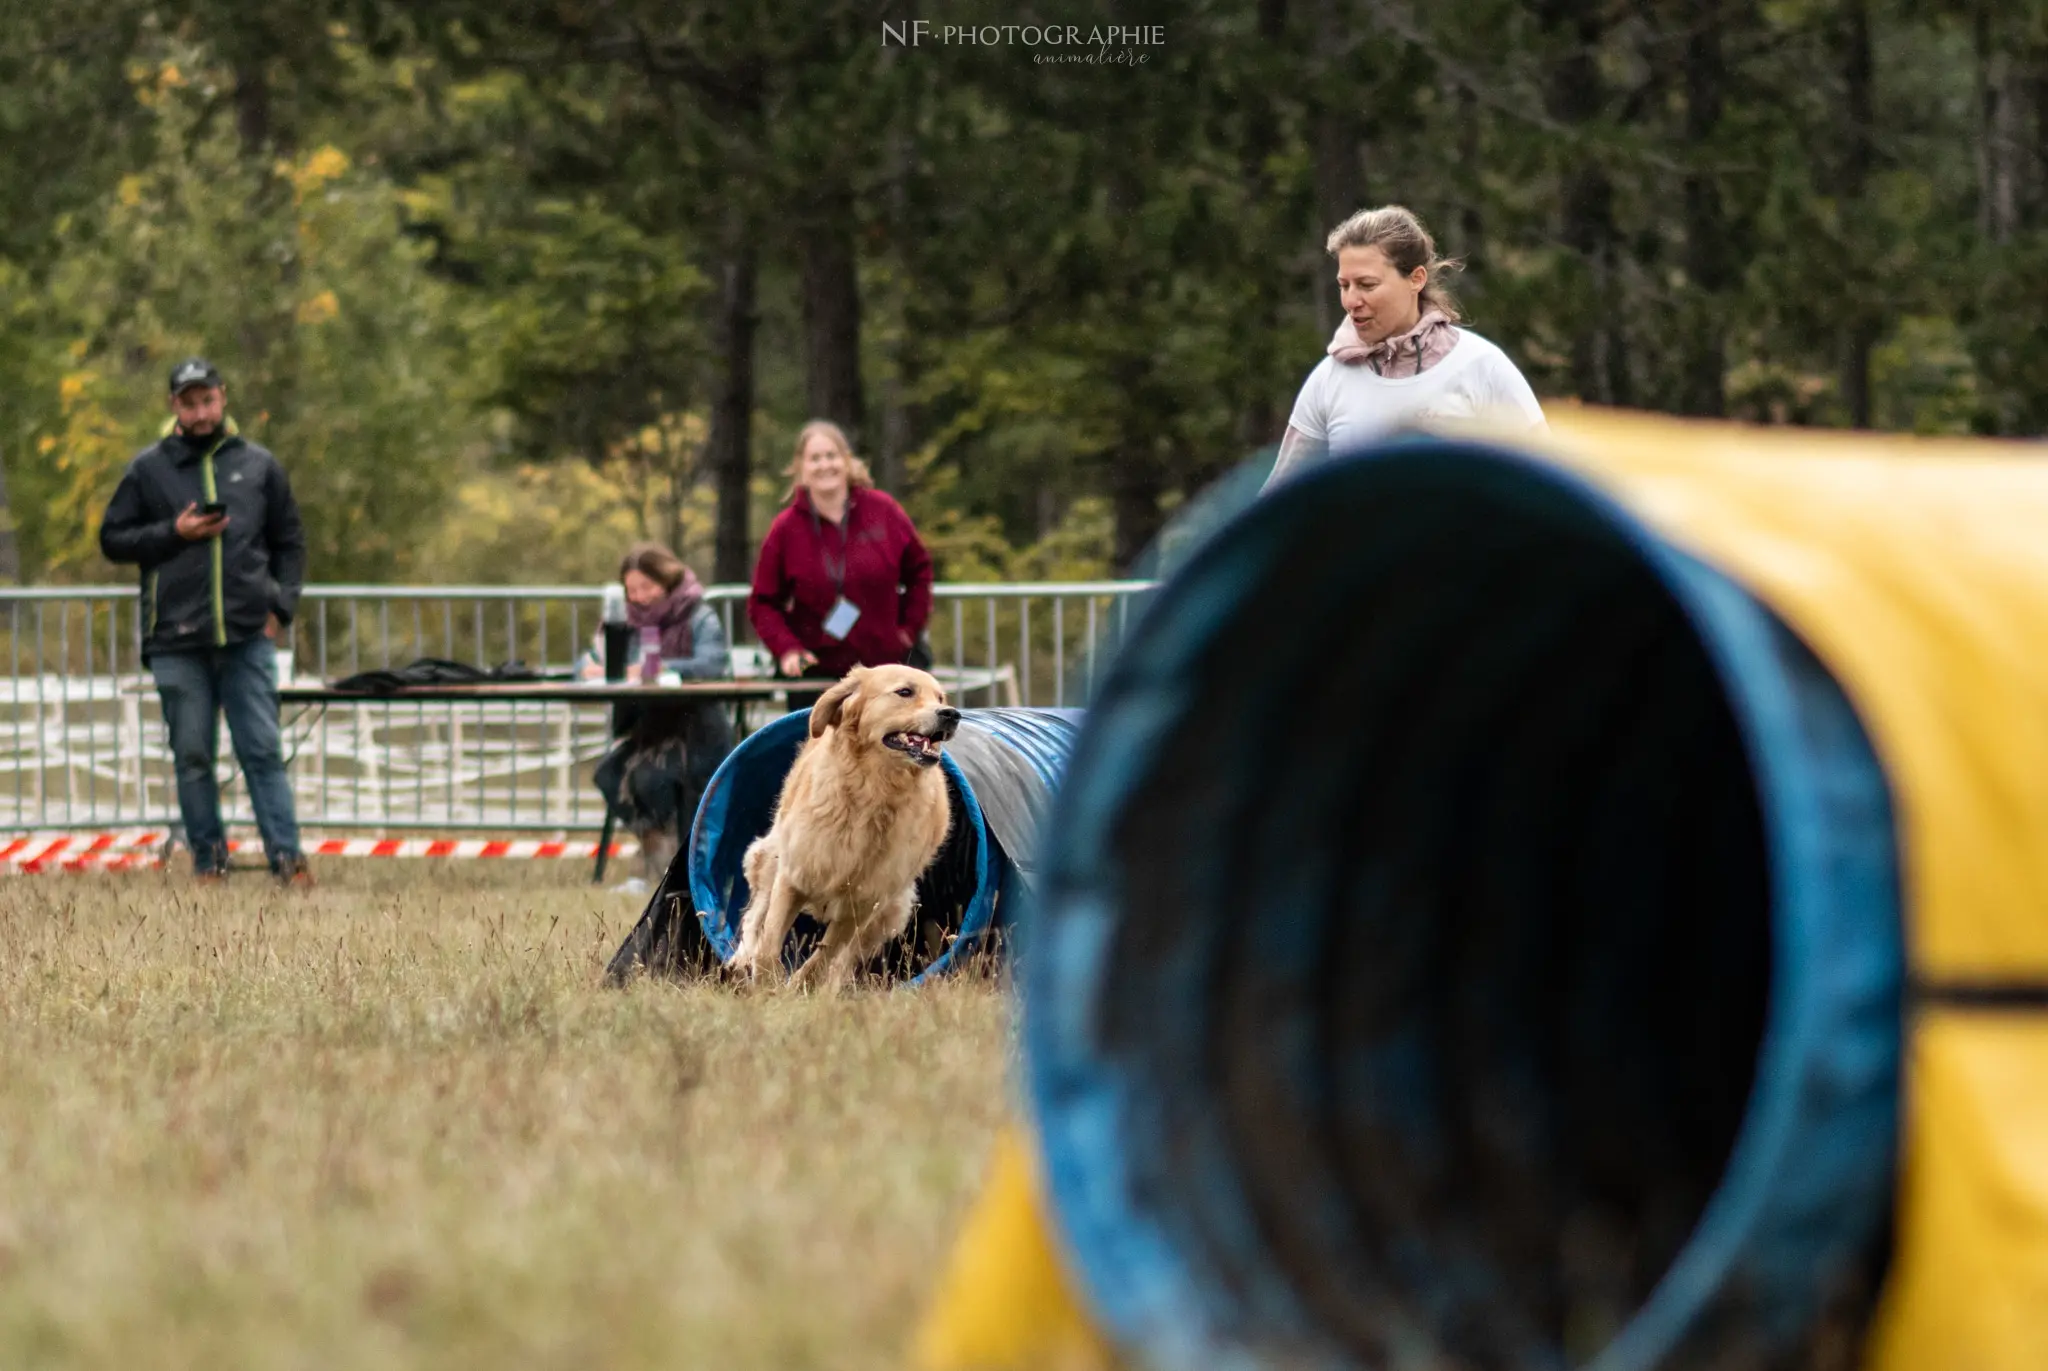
(842, 580)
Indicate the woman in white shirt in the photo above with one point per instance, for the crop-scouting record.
(1399, 357)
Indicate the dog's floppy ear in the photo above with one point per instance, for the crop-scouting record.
(832, 705)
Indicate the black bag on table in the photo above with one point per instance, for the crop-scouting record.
(428, 671)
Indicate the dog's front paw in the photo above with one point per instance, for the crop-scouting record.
(749, 968)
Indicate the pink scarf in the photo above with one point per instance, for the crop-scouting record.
(1405, 354)
(672, 614)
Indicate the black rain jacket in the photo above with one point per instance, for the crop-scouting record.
(220, 590)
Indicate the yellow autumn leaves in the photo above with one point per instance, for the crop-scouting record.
(314, 171)
(319, 309)
(318, 169)
(94, 428)
(89, 445)
(151, 82)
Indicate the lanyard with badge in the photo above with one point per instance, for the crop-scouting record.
(845, 614)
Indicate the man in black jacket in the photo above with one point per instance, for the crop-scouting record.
(211, 519)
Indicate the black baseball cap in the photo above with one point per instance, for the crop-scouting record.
(193, 371)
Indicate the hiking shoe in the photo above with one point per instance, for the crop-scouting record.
(293, 871)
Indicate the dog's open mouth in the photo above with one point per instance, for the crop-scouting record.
(921, 748)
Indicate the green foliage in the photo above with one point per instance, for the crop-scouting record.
(339, 350)
(464, 263)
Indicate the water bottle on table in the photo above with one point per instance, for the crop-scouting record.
(618, 634)
(650, 655)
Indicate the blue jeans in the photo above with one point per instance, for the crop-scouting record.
(197, 686)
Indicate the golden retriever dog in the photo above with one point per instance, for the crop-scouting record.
(862, 813)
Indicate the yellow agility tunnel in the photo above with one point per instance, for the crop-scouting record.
(1576, 900)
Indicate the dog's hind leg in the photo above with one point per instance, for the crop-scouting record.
(881, 927)
(825, 957)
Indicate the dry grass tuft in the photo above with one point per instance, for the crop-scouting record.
(394, 1122)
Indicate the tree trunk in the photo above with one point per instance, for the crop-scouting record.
(1589, 232)
(728, 447)
(1336, 136)
(10, 548)
(897, 435)
(1137, 479)
(898, 423)
(1860, 336)
(1998, 134)
(1577, 93)
(1260, 423)
(1340, 191)
(1859, 342)
(252, 108)
(1471, 217)
(1136, 482)
(2034, 145)
(679, 471)
(1704, 385)
(678, 497)
(1268, 272)
(831, 302)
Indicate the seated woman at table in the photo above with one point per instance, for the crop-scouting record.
(654, 777)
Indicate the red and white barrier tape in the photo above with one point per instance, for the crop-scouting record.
(127, 849)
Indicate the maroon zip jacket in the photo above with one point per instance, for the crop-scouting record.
(888, 578)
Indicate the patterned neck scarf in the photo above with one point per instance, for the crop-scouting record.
(1404, 354)
(671, 614)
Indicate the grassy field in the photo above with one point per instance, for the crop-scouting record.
(394, 1122)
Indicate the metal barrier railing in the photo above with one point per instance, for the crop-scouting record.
(82, 743)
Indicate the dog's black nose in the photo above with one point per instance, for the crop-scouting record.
(949, 714)
(949, 720)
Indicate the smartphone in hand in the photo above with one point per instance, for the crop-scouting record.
(214, 509)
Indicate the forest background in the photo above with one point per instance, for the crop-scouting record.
(509, 285)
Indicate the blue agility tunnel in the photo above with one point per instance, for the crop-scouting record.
(1469, 935)
(1000, 768)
